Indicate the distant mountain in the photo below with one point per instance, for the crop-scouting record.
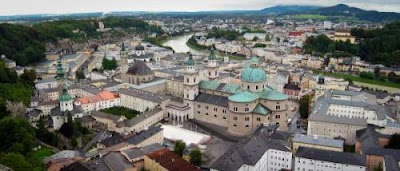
(345, 10)
(280, 9)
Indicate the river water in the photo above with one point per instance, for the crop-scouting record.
(178, 43)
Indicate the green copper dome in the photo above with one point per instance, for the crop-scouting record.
(212, 55)
(253, 75)
(255, 59)
(65, 95)
(244, 97)
(190, 61)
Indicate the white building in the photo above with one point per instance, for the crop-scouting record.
(342, 113)
(310, 159)
(251, 36)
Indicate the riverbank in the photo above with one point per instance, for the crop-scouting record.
(193, 44)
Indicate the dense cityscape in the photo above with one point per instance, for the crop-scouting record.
(288, 87)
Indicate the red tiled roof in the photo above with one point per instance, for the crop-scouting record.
(171, 161)
(296, 33)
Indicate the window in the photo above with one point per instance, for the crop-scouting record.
(215, 115)
(278, 107)
(223, 111)
(246, 119)
(207, 107)
(247, 126)
(246, 109)
(224, 117)
(277, 116)
(256, 87)
(234, 125)
(187, 80)
(215, 109)
(248, 87)
(235, 118)
(198, 112)
(258, 119)
(206, 113)
(235, 108)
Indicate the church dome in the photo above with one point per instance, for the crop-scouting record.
(253, 75)
(139, 47)
(139, 68)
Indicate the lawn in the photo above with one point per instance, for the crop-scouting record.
(363, 80)
(36, 157)
(121, 111)
(310, 16)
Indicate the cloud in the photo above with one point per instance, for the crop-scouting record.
(13, 7)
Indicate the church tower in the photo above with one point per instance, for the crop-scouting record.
(190, 80)
(212, 66)
(66, 101)
(124, 60)
(191, 85)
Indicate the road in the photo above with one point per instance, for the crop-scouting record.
(293, 126)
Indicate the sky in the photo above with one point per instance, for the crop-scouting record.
(19, 7)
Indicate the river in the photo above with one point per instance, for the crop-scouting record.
(178, 43)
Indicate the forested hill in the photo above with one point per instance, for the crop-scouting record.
(347, 11)
(379, 46)
(26, 45)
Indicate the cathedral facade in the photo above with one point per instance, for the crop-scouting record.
(241, 109)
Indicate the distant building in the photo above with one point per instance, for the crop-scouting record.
(343, 35)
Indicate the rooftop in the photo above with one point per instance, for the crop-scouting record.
(171, 161)
(331, 156)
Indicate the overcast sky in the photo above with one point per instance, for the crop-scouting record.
(14, 7)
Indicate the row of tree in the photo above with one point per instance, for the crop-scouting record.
(195, 155)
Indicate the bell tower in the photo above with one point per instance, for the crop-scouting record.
(212, 67)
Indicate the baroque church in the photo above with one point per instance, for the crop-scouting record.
(241, 109)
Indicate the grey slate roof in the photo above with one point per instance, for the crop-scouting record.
(213, 99)
(145, 95)
(116, 161)
(318, 140)
(138, 118)
(246, 152)
(105, 115)
(390, 163)
(331, 156)
(141, 136)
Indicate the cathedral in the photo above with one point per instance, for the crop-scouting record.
(241, 109)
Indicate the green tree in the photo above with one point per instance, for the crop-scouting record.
(260, 45)
(29, 76)
(109, 64)
(255, 38)
(15, 161)
(196, 157)
(267, 38)
(278, 39)
(304, 108)
(80, 75)
(377, 72)
(19, 135)
(179, 147)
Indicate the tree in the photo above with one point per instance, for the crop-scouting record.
(255, 38)
(260, 45)
(179, 147)
(109, 64)
(29, 76)
(394, 142)
(18, 135)
(393, 77)
(15, 161)
(377, 72)
(304, 108)
(196, 157)
(80, 75)
(278, 39)
(267, 38)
